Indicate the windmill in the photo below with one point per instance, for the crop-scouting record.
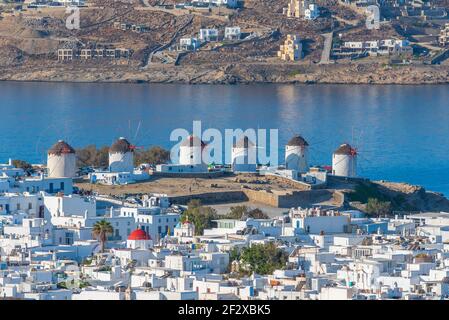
(60, 131)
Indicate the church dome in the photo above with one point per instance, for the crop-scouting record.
(139, 234)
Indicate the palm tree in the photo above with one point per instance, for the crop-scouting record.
(100, 232)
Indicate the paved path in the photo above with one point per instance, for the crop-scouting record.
(171, 41)
(325, 55)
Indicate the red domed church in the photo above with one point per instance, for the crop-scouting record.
(139, 239)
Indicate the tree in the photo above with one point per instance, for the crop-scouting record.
(101, 230)
(234, 254)
(243, 212)
(237, 212)
(257, 214)
(23, 165)
(90, 156)
(102, 157)
(378, 208)
(263, 258)
(154, 155)
(202, 217)
(194, 203)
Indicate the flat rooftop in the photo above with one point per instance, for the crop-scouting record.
(430, 215)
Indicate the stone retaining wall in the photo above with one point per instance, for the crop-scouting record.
(273, 199)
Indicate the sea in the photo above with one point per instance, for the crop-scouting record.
(401, 132)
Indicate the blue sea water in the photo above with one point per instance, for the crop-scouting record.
(401, 132)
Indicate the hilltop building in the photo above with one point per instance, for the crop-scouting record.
(225, 3)
(304, 8)
(294, 9)
(206, 35)
(189, 44)
(386, 47)
(232, 33)
(291, 50)
(93, 52)
(443, 39)
(311, 12)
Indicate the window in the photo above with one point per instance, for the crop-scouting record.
(62, 185)
(41, 211)
(30, 206)
(18, 206)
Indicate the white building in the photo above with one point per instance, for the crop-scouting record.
(185, 229)
(156, 225)
(35, 184)
(228, 3)
(316, 221)
(139, 239)
(379, 47)
(8, 170)
(311, 12)
(208, 35)
(232, 33)
(189, 44)
(14, 203)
